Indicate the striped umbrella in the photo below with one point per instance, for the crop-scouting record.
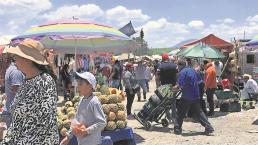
(253, 43)
(79, 36)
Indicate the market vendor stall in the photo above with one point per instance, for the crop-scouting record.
(114, 109)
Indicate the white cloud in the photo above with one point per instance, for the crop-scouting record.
(252, 23)
(14, 25)
(123, 15)
(161, 33)
(197, 24)
(19, 12)
(226, 20)
(252, 19)
(163, 25)
(22, 6)
(89, 11)
(227, 31)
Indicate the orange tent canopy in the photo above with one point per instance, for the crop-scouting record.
(213, 41)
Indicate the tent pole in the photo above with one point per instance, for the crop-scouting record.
(75, 82)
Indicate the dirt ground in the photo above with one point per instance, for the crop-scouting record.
(230, 129)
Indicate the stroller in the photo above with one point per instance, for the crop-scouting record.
(158, 104)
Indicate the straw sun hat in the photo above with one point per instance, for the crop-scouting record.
(29, 49)
(247, 75)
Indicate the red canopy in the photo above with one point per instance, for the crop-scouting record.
(213, 41)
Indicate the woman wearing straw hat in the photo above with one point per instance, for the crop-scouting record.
(35, 104)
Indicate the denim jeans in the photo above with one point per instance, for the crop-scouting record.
(115, 84)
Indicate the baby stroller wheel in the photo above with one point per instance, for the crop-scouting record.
(164, 122)
(147, 125)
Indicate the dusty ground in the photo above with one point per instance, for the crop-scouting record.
(230, 129)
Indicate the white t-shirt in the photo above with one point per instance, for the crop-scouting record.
(250, 87)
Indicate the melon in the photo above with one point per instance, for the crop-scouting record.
(103, 99)
(113, 107)
(111, 116)
(63, 131)
(120, 115)
(68, 104)
(113, 98)
(71, 114)
(121, 106)
(111, 125)
(120, 124)
(106, 108)
(96, 93)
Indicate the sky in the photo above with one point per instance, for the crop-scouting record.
(164, 22)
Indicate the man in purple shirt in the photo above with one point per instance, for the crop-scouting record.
(188, 83)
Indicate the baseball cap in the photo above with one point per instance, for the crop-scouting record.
(89, 77)
(165, 56)
(129, 65)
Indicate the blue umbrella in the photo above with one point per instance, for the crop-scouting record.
(253, 42)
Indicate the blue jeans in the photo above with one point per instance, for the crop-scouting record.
(142, 84)
(115, 83)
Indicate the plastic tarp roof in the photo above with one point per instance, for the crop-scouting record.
(213, 41)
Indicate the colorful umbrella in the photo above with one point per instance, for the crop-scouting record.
(253, 42)
(66, 36)
(201, 50)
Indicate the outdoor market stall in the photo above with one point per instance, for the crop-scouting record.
(86, 37)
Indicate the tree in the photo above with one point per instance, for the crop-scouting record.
(144, 46)
(142, 34)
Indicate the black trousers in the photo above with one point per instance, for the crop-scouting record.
(202, 103)
(210, 92)
(184, 106)
(130, 98)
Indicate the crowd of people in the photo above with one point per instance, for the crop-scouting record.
(31, 93)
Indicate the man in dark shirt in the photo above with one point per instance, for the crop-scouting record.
(166, 74)
(190, 99)
(115, 76)
(167, 71)
(156, 66)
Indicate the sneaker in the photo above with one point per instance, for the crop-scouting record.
(130, 117)
(208, 131)
(210, 114)
(244, 106)
(251, 105)
(177, 131)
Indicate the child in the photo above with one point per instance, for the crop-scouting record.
(89, 113)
